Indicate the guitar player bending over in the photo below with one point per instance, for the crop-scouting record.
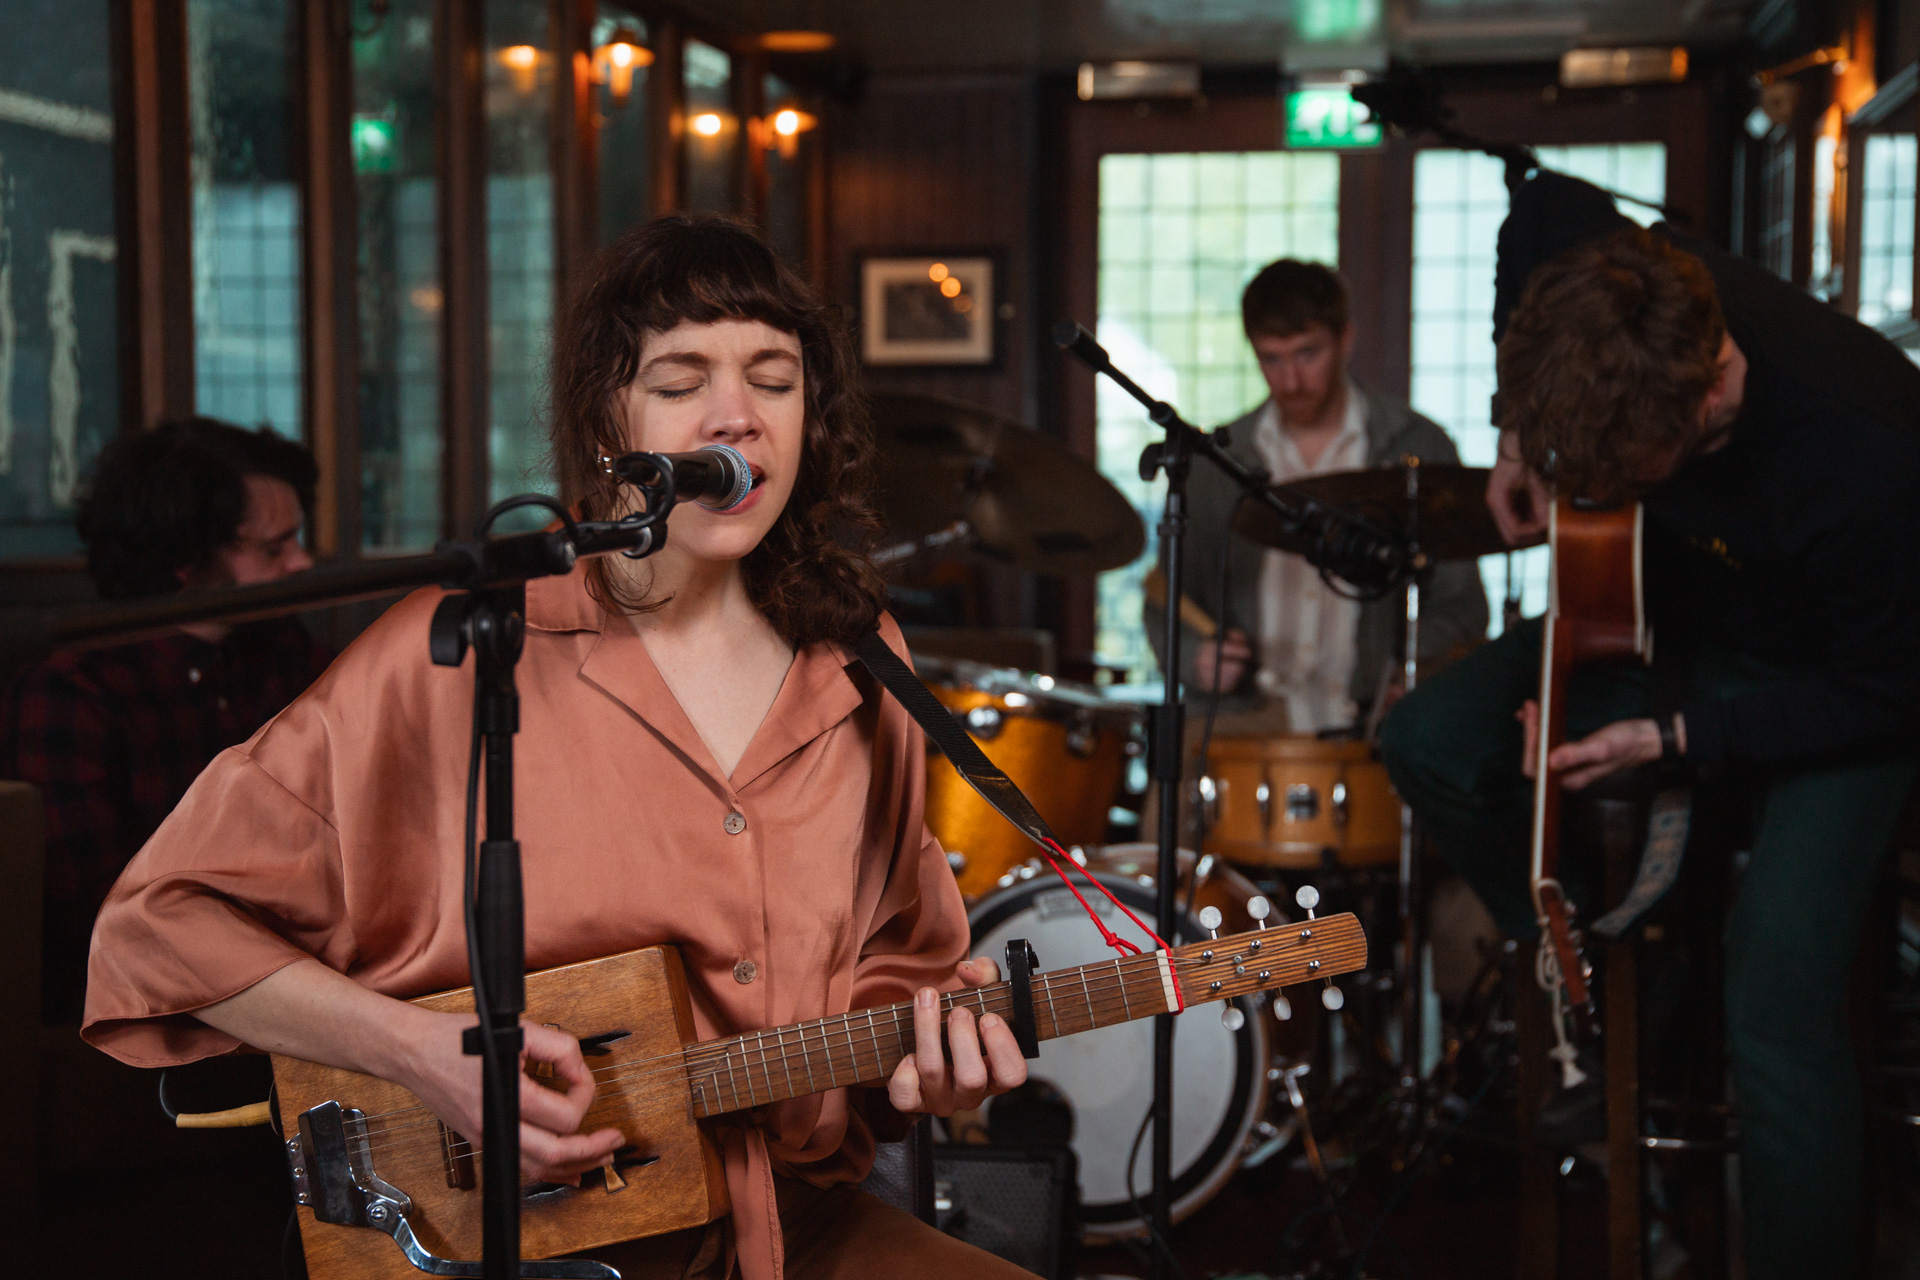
(698, 764)
(1775, 444)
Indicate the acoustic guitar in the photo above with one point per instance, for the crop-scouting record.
(1596, 613)
(374, 1169)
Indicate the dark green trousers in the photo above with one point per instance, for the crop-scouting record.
(1820, 833)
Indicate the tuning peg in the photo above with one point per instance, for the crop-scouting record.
(1308, 897)
(1282, 1008)
(1259, 908)
(1210, 921)
(1231, 1018)
(1333, 997)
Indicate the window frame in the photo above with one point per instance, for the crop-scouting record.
(153, 217)
(1894, 108)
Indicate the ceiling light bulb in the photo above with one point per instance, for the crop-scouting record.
(707, 124)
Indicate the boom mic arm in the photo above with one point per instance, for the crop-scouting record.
(1340, 542)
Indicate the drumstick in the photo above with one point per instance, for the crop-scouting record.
(1154, 587)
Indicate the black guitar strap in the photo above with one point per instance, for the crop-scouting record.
(994, 786)
(982, 774)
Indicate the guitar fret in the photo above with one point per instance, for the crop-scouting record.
(726, 1056)
(766, 1069)
(1125, 1003)
(879, 1058)
(1092, 1019)
(786, 1068)
(806, 1060)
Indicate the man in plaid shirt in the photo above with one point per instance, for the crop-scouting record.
(113, 737)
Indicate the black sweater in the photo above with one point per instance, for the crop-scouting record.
(1798, 544)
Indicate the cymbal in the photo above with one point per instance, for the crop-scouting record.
(1454, 521)
(1029, 500)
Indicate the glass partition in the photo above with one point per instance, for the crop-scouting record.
(620, 112)
(790, 135)
(519, 86)
(1459, 201)
(1180, 236)
(59, 372)
(398, 267)
(1886, 226)
(246, 212)
(712, 131)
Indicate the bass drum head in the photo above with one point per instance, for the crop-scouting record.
(1219, 1076)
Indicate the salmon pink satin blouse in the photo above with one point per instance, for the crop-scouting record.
(803, 885)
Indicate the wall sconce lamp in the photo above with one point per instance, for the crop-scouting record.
(615, 61)
(523, 61)
(781, 131)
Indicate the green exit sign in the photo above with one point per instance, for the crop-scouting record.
(1329, 118)
(376, 145)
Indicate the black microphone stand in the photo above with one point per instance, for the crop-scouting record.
(1342, 543)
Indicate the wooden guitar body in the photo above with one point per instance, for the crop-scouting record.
(1596, 614)
(641, 993)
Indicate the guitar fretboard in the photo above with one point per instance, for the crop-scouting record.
(864, 1046)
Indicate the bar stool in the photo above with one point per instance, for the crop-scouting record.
(1669, 1130)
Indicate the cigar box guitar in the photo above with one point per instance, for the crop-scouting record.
(386, 1191)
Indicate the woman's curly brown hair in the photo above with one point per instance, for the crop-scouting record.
(1607, 362)
(703, 269)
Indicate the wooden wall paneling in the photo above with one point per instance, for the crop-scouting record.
(1376, 259)
(940, 162)
(329, 275)
(460, 135)
(575, 147)
(819, 211)
(666, 114)
(748, 90)
(153, 210)
(1854, 176)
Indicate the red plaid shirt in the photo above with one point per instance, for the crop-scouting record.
(113, 738)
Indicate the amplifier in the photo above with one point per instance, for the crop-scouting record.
(1020, 1203)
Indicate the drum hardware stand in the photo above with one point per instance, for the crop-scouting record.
(957, 532)
(1412, 973)
(1368, 557)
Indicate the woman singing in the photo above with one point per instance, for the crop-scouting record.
(698, 764)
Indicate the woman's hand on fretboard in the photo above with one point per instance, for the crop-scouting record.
(981, 1057)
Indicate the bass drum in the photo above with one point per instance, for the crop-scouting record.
(1106, 1076)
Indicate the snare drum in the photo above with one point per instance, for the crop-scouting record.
(1062, 743)
(1299, 803)
(1106, 1076)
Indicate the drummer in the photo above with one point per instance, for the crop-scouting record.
(1294, 655)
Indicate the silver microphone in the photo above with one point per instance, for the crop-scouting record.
(716, 475)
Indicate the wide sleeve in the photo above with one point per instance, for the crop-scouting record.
(248, 873)
(243, 879)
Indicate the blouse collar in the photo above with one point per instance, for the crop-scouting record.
(817, 693)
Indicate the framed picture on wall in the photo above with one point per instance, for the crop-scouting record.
(927, 309)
